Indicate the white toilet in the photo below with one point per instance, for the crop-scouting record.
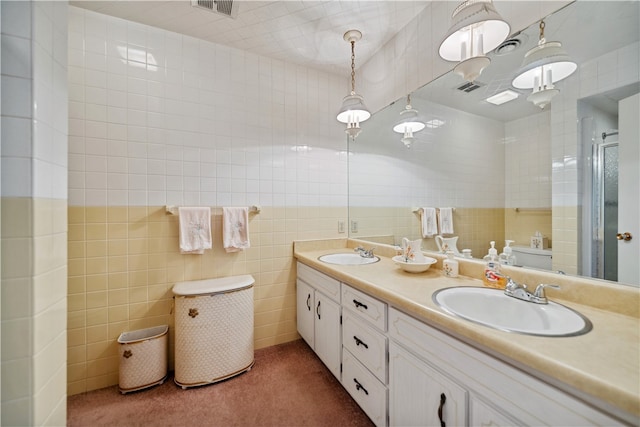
(532, 257)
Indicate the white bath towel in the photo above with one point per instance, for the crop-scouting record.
(195, 229)
(429, 224)
(235, 229)
(446, 221)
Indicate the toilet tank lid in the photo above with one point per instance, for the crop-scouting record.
(212, 286)
(533, 251)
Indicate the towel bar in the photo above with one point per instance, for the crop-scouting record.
(173, 210)
(419, 210)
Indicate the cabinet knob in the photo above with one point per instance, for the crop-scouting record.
(624, 236)
(193, 312)
(127, 354)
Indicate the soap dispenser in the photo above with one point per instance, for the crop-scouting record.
(450, 265)
(493, 252)
(507, 257)
(492, 277)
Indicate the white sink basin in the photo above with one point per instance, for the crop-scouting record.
(491, 307)
(347, 259)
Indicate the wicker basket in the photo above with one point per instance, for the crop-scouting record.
(213, 329)
(143, 358)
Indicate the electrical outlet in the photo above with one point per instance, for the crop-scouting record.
(340, 226)
(354, 226)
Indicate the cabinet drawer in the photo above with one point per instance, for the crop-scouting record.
(365, 389)
(329, 286)
(410, 332)
(368, 308)
(366, 344)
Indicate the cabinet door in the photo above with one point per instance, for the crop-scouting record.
(481, 414)
(328, 340)
(421, 396)
(305, 311)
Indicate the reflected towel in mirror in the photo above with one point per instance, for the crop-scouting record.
(446, 221)
(429, 224)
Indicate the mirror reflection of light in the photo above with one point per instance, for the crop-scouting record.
(434, 123)
(301, 148)
(502, 97)
(137, 57)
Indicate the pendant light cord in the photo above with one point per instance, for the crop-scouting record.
(542, 25)
(353, 67)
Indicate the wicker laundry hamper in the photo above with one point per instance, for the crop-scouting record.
(143, 358)
(213, 329)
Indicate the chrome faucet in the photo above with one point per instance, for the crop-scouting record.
(364, 253)
(519, 291)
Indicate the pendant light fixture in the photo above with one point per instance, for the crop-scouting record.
(408, 123)
(353, 110)
(544, 65)
(476, 28)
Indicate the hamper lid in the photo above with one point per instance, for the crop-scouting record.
(142, 334)
(210, 286)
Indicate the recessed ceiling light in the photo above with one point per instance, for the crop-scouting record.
(502, 97)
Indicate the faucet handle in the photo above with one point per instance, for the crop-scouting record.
(512, 285)
(539, 292)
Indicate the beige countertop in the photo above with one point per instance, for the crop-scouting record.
(601, 367)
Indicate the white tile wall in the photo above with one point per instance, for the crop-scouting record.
(567, 153)
(34, 187)
(161, 118)
(528, 162)
(382, 166)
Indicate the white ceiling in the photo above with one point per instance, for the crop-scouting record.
(305, 32)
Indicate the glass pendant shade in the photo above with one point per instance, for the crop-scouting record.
(408, 121)
(539, 61)
(476, 28)
(353, 109)
(544, 65)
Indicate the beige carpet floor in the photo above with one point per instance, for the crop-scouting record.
(287, 386)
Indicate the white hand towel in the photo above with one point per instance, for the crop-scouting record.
(235, 229)
(429, 224)
(446, 220)
(195, 229)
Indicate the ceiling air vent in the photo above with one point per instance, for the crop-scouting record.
(469, 86)
(223, 7)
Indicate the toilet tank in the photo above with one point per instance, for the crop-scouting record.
(532, 257)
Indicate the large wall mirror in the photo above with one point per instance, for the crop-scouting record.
(513, 170)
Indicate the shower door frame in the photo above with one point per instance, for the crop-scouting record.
(597, 208)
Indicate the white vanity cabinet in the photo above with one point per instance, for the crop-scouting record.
(419, 395)
(364, 354)
(424, 362)
(318, 315)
